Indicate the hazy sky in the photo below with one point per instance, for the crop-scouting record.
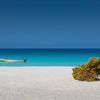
(49, 24)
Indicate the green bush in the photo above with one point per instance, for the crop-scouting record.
(88, 71)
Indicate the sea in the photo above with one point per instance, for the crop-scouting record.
(47, 57)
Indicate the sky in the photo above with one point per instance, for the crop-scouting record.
(49, 23)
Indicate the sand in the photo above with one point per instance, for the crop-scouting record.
(44, 83)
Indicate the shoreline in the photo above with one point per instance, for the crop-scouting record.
(44, 83)
(38, 66)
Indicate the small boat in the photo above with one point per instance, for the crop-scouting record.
(12, 60)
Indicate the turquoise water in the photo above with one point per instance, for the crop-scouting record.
(48, 57)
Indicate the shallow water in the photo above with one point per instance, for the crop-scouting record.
(48, 57)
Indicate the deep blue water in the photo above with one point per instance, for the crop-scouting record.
(48, 57)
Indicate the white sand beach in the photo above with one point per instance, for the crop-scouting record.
(44, 83)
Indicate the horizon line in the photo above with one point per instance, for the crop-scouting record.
(49, 48)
